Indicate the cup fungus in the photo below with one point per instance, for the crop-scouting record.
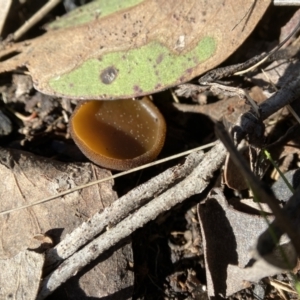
(118, 134)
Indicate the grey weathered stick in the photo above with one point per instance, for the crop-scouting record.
(120, 209)
(193, 184)
(286, 95)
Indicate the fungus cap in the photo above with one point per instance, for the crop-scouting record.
(118, 134)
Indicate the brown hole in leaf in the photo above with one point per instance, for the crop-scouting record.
(108, 75)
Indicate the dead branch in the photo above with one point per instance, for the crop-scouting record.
(193, 184)
(120, 209)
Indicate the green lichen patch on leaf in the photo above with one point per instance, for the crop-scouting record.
(136, 50)
(135, 72)
(89, 12)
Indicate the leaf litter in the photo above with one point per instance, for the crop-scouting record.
(186, 281)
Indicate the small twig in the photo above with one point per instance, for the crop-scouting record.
(281, 285)
(35, 18)
(57, 195)
(232, 92)
(292, 133)
(242, 68)
(286, 95)
(292, 111)
(193, 184)
(289, 93)
(4, 10)
(286, 2)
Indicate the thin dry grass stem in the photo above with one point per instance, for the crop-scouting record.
(282, 286)
(109, 178)
(270, 53)
(35, 18)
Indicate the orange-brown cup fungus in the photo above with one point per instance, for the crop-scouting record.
(118, 134)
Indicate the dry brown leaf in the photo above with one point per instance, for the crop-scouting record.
(232, 177)
(29, 178)
(20, 276)
(140, 50)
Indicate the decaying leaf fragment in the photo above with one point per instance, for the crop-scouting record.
(20, 275)
(229, 238)
(138, 50)
(29, 178)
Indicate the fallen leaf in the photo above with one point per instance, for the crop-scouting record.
(20, 275)
(29, 178)
(138, 50)
(229, 238)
